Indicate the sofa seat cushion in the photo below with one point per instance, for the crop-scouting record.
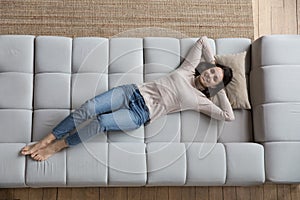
(53, 54)
(239, 130)
(15, 86)
(277, 122)
(206, 164)
(16, 53)
(90, 55)
(44, 120)
(127, 164)
(166, 163)
(165, 129)
(197, 127)
(15, 125)
(49, 173)
(52, 91)
(282, 162)
(12, 165)
(87, 165)
(245, 164)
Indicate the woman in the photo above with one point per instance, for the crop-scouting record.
(128, 107)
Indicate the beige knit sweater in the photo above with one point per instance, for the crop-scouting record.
(177, 91)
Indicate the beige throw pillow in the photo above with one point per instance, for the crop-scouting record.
(236, 90)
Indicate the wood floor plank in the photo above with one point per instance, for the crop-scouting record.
(270, 192)
(267, 191)
(3, 193)
(175, 193)
(215, 193)
(295, 192)
(162, 193)
(283, 192)
(264, 17)
(6, 193)
(255, 10)
(77, 193)
(120, 193)
(229, 193)
(188, 193)
(21, 193)
(201, 193)
(85, 193)
(64, 194)
(35, 193)
(277, 17)
(134, 193)
(92, 193)
(243, 193)
(49, 193)
(298, 17)
(290, 10)
(106, 193)
(257, 192)
(148, 193)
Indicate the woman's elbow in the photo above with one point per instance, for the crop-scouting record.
(229, 117)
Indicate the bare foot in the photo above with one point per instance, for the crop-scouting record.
(30, 149)
(45, 153)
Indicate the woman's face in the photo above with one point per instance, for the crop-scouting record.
(211, 77)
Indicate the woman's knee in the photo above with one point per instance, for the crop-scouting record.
(109, 122)
(87, 109)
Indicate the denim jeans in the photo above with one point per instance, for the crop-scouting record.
(120, 108)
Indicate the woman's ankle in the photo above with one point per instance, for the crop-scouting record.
(49, 138)
(66, 145)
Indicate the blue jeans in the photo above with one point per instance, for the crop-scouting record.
(120, 108)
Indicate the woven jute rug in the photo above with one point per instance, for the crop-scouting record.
(132, 18)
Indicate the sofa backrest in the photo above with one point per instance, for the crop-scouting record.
(43, 78)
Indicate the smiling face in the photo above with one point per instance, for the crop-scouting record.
(211, 77)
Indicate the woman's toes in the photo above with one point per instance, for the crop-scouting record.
(33, 155)
(32, 149)
(36, 157)
(45, 153)
(25, 150)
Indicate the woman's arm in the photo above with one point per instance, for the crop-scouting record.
(222, 112)
(194, 56)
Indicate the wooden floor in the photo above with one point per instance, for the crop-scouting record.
(263, 192)
(270, 17)
(276, 17)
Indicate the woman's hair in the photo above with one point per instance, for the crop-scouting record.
(208, 91)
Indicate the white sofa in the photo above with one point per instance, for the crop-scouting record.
(43, 78)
